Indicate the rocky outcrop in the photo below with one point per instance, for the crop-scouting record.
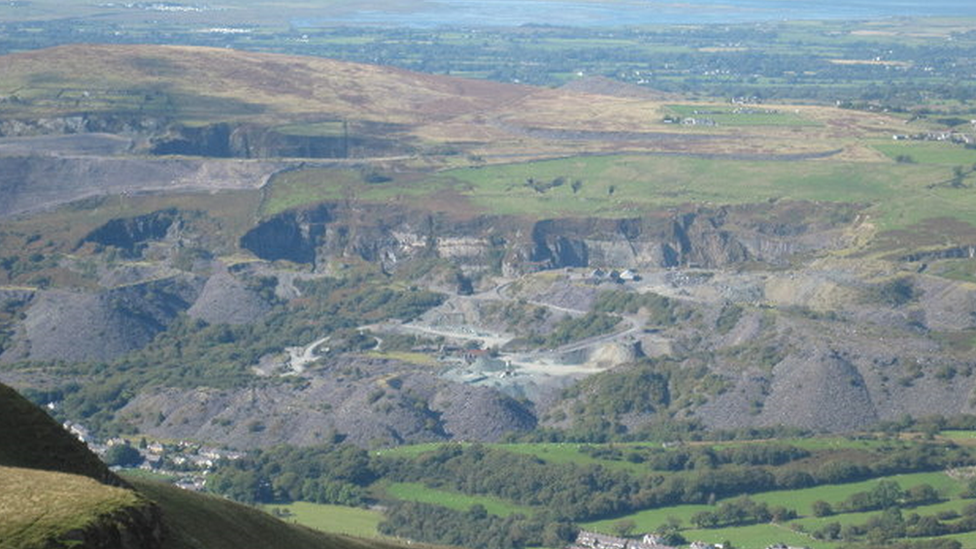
(614, 354)
(383, 235)
(137, 527)
(694, 238)
(955, 252)
(702, 237)
(130, 235)
(228, 140)
(293, 236)
(80, 123)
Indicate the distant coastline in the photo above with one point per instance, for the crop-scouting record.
(506, 13)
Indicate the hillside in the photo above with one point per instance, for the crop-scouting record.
(31, 439)
(218, 102)
(40, 509)
(52, 498)
(197, 521)
(207, 83)
(253, 249)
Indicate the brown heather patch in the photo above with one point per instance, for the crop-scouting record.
(208, 85)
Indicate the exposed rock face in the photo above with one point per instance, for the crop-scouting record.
(955, 252)
(131, 528)
(132, 234)
(609, 355)
(292, 236)
(705, 238)
(226, 140)
(83, 123)
(687, 239)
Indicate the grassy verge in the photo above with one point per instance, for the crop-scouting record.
(927, 152)
(615, 186)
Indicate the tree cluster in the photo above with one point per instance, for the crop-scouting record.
(335, 473)
(741, 512)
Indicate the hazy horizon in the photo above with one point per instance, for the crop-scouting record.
(475, 13)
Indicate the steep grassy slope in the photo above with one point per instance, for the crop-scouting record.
(30, 438)
(48, 509)
(196, 521)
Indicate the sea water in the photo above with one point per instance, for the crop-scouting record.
(615, 13)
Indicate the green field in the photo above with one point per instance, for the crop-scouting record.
(296, 188)
(558, 452)
(814, 523)
(758, 536)
(802, 500)
(614, 186)
(415, 491)
(761, 535)
(818, 443)
(199, 520)
(898, 193)
(649, 519)
(335, 519)
(746, 116)
(550, 452)
(928, 152)
(959, 435)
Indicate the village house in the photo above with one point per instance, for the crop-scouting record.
(80, 432)
(594, 540)
(471, 355)
(691, 121)
(629, 276)
(216, 454)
